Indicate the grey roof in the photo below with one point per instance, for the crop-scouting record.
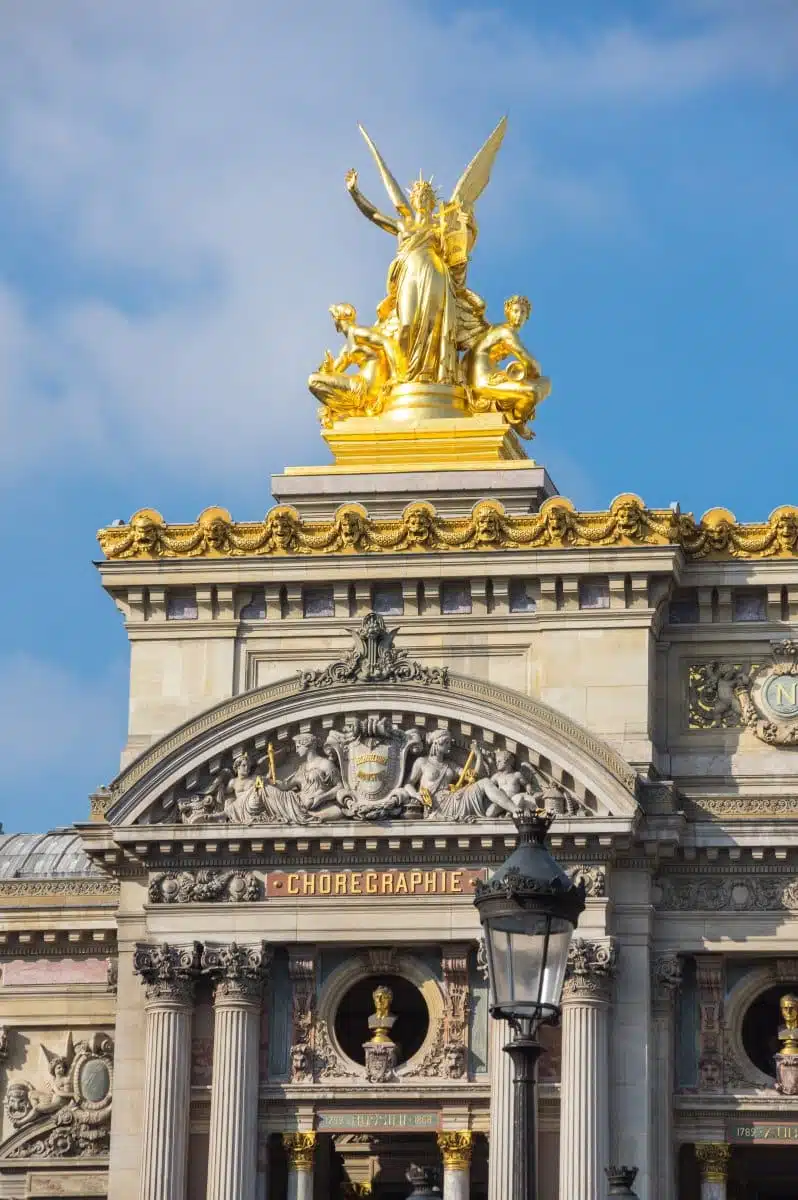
(55, 855)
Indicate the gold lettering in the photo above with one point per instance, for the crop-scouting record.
(456, 882)
(292, 884)
(371, 883)
(354, 883)
(308, 884)
(787, 692)
(415, 881)
(401, 884)
(430, 881)
(386, 884)
(340, 884)
(325, 883)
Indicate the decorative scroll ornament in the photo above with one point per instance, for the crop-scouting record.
(590, 971)
(69, 1116)
(373, 659)
(302, 973)
(456, 1148)
(169, 972)
(734, 893)
(457, 1007)
(237, 972)
(769, 697)
(196, 887)
(300, 1148)
(557, 526)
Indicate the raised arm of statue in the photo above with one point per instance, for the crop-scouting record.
(389, 224)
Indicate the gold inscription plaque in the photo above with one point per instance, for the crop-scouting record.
(442, 881)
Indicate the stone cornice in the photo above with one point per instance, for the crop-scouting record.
(558, 525)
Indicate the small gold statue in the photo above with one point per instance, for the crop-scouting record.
(788, 1034)
(517, 389)
(379, 362)
(382, 1020)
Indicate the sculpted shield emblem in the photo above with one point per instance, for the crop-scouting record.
(372, 755)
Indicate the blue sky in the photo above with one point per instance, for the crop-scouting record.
(175, 226)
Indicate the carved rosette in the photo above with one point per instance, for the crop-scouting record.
(666, 980)
(590, 971)
(198, 887)
(456, 1148)
(169, 973)
(713, 1160)
(237, 972)
(302, 973)
(300, 1148)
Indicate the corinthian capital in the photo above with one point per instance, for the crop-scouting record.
(237, 972)
(168, 972)
(590, 971)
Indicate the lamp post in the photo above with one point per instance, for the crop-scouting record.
(528, 910)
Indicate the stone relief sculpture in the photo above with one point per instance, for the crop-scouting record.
(71, 1114)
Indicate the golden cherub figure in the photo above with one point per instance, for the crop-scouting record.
(516, 389)
(378, 359)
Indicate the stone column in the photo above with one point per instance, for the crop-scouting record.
(500, 1141)
(168, 973)
(666, 981)
(300, 1148)
(584, 1087)
(713, 1161)
(455, 1147)
(237, 973)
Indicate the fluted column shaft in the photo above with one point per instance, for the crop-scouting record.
(237, 973)
(455, 1147)
(584, 1087)
(500, 1144)
(300, 1148)
(168, 974)
(713, 1161)
(666, 981)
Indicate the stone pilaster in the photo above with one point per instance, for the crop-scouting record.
(300, 1148)
(665, 984)
(501, 1141)
(168, 973)
(713, 1161)
(455, 1148)
(237, 973)
(584, 1087)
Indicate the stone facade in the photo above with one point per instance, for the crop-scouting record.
(323, 750)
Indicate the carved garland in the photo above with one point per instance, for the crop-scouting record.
(718, 535)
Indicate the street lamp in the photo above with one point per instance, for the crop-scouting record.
(528, 910)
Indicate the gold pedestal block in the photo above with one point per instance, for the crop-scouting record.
(413, 442)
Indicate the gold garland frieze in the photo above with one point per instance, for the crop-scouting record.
(420, 528)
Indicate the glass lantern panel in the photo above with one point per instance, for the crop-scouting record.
(527, 953)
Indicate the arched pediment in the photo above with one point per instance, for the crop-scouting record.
(371, 722)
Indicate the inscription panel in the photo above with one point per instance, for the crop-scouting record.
(389, 882)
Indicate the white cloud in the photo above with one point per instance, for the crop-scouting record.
(184, 162)
(60, 738)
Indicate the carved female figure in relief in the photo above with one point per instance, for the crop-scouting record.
(451, 794)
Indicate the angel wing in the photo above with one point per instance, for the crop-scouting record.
(476, 176)
(397, 196)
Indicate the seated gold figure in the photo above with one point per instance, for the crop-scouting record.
(516, 389)
(378, 360)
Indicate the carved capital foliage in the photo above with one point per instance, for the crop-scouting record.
(713, 1160)
(197, 887)
(300, 1148)
(590, 971)
(456, 1148)
(237, 972)
(168, 972)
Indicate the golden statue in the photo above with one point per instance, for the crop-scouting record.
(432, 353)
(788, 1034)
(382, 1020)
